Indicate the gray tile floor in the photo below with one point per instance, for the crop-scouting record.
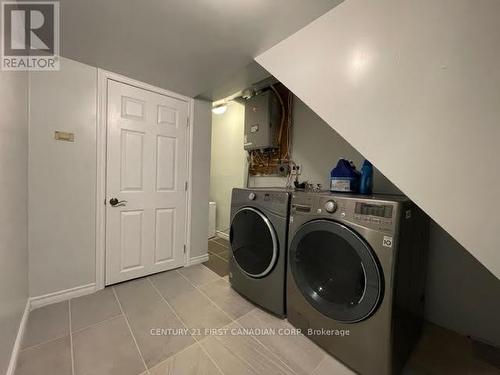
(109, 332)
(156, 325)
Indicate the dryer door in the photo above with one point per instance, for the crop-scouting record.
(253, 242)
(336, 271)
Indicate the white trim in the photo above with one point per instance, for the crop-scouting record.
(187, 256)
(102, 77)
(71, 339)
(197, 260)
(19, 339)
(221, 234)
(100, 238)
(62, 295)
(140, 85)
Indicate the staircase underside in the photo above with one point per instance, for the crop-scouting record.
(414, 86)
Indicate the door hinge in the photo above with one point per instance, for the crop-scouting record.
(186, 186)
(184, 249)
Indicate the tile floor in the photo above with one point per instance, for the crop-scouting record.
(156, 325)
(218, 256)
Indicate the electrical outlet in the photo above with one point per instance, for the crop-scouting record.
(283, 170)
(296, 170)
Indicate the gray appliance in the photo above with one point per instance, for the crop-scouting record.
(262, 121)
(258, 238)
(356, 276)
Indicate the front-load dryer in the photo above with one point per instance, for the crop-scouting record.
(258, 238)
(356, 276)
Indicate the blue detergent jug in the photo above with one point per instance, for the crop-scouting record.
(344, 177)
(366, 183)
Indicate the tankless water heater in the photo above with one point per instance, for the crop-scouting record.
(262, 121)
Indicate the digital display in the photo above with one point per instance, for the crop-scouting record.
(374, 210)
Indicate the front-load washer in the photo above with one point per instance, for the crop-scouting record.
(356, 276)
(258, 238)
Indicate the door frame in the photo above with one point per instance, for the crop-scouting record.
(102, 79)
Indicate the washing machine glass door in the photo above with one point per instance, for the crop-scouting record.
(336, 271)
(253, 242)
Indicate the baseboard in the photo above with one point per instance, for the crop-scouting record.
(197, 260)
(62, 295)
(19, 339)
(223, 235)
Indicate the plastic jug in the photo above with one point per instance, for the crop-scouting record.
(344, 177)
(366, 183)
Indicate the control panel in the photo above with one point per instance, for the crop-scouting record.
(275, 201)
(267, 197)
(366, 212)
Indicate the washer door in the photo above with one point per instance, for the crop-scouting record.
(336, 271)
(253, 242)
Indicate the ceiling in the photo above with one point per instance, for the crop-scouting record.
(187, 46)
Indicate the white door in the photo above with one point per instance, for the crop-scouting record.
(146, 173)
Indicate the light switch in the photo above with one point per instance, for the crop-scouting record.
(64, 136)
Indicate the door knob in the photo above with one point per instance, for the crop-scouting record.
(116, 203)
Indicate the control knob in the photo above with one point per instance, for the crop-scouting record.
(330, 207)
(251, 196)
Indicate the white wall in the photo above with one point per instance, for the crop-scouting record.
(13, 212)
(228, 164)
(317, 148)
(202, 127)
(413, 86)
(62, 182)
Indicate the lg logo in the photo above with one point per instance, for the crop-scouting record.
(387, 241)
(30, 35)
